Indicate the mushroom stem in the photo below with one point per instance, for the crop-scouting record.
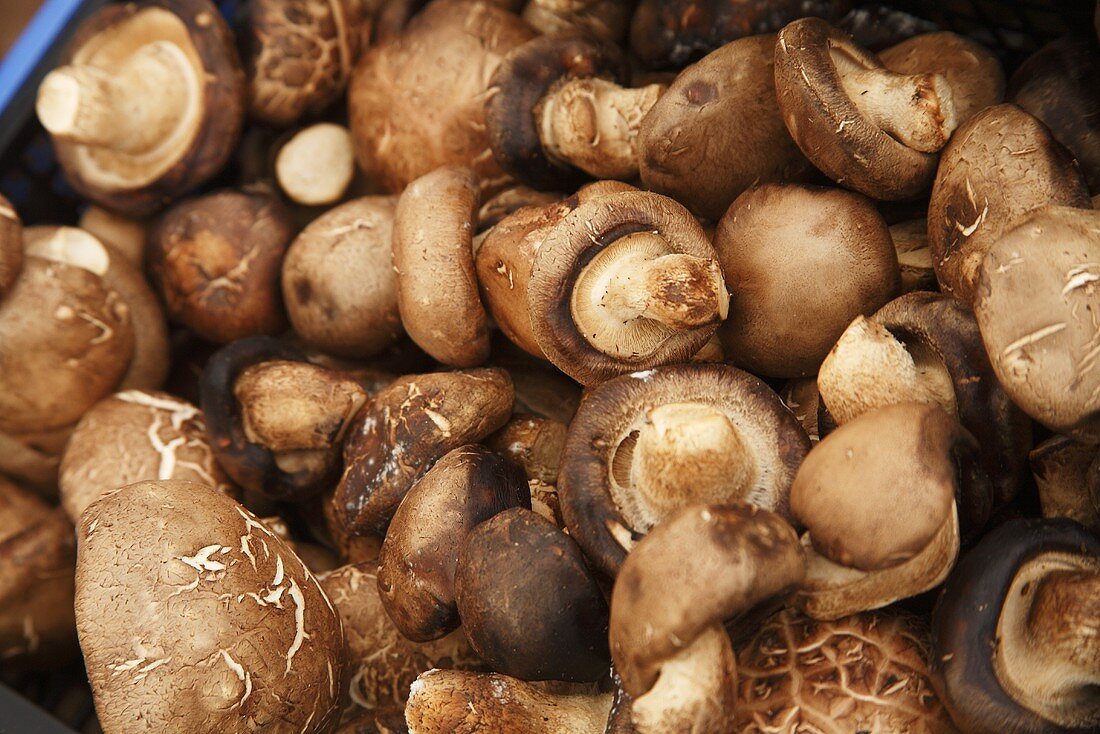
(132, 109)
(593, 124)
(918, 110)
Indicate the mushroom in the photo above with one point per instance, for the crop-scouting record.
(338, 281)
(536, 444)
(416, 566)
(606, 20)
(557, 105)
(528, 603)
(865, 673)
(193, 615)
(131, 436)
(717, 130)
(147, 104)
(1038, 293)
(124, 234)
(275, 422)
(1067, 474)
(300, 54)
(417, 103)
(316, 166)
(802, 398)
(11, 246)
(508, 201)
(668, 608)
(405, 429)
(644, 445)
(433, 256)
(914, 257)
(215, 260)
(1001, 165)
(864, 126)
(800, 262)
(926, 348)
(1015, 631)
(882, 498)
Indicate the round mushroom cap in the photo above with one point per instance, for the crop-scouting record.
(11, 245)
(717, 130)
(999, 167)
(800, 263)
(864, 673)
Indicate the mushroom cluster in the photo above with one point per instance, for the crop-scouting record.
(558, 367)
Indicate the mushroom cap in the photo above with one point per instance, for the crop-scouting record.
(596, 459)
(534, 442)
(416, 566)
(316, 166)
(204, 139)
(800, 263)
(1000, 165)
(433, 257)
(717, 130)
(868, 673)
(529, 605)
(127, 235)
(338, 281)
(914, 258)
(1038, 291)
(1066, 472)
(11, 245)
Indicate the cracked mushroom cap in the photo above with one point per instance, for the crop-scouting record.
(866, 673)
(1037, 301)
(642, 446)
(1015, 631)
(193, 615)
(862, 125)
(668, 609)
(882, 498)
(136, 435)
(405, 429)
(11, 245)
(1067, 473)
(800, 263)
(147, 103)
(216, 259)
(416, 566)
(1000, 166)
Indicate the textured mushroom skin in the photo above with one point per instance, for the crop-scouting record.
(11, 245)
(1062, 467)
(235, 610)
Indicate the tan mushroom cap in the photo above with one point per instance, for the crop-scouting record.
(11, 245)
(316, 166)
(433, 256)
(1037, 302)
(1061, 468)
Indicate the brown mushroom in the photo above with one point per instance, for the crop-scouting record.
(802, 398)
(510, 200)
(1066, 472)
(914, 256)
(11, 246)
(124, 234)
(315, 167)
(606, 20)
(800, 262)
(1000, 166)
(536, 444)
(147, 103)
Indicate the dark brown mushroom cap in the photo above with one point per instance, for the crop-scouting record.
(130, 184)
(405, 429)
(967, 624)
(534, 442)
(999, 166)
(11, 245)
(717, 130)
(433, 257)
(1067, 473)
(615, 410)
(529, 605)
(416, 566)
(668, 34)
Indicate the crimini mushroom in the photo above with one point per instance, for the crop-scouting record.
(338, 281)
(215, 260)
(1067, 473)
(607, 20)
(800, 263)
(457, 702)
(1001, 165)
(300, 54)
(864, 126)
(194, 616)
(147, 104)
(645, 445)
(529, 605)
(416, 566)
(37, 556)
(668, 608)
(125, 234)
(926, 348)
(914, 256)
(557, 105)
(131, 436)
(864, 673)
(1037, 300)
(717, 130)
(405, 429)
(275, 422)
(882, 498)
(316, 166)
(1015, 631)
(11, 246)
(417, 103)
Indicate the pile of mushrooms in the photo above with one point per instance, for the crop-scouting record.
(557, 367)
